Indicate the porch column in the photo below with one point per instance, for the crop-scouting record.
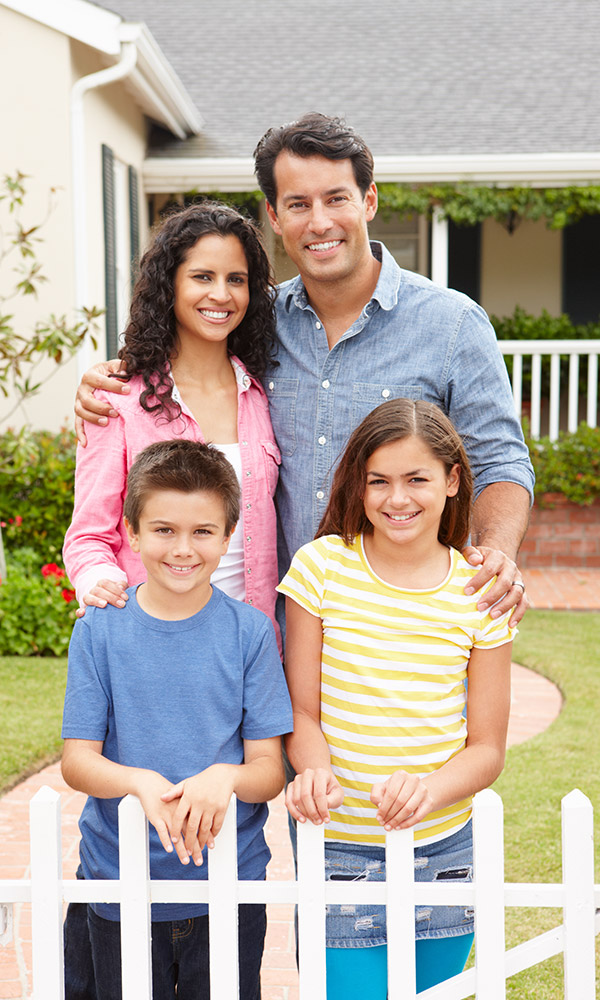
(439, 249)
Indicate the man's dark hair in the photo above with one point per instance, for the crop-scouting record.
(312, 135)
(185, 466)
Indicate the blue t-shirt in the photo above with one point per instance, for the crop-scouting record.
(175, 697)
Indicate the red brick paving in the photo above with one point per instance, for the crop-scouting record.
(535, 703)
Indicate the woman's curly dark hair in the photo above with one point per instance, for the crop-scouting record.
(150, 336)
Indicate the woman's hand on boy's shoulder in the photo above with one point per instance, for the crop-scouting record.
(105, 592)
(312, 794)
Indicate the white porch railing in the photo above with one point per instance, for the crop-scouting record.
(488, 894)
(575, 349)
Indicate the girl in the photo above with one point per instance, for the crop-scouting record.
(380, 640)
(200, 333)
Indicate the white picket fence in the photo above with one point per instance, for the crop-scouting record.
(538, 349)
(576, 895)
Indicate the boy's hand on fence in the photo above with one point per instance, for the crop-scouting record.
(312, 794)
(201, 803)
(150, 787)
(402, 801)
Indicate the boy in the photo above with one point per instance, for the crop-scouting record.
(180, 699)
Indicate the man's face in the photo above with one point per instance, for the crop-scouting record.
(322, 216)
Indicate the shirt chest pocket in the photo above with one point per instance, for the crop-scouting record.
(282, 394)
(368, 395)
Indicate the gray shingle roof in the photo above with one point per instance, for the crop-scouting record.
(419, 77)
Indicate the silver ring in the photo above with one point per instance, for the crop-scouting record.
(516, 583)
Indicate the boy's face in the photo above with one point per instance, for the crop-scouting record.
(181, 539)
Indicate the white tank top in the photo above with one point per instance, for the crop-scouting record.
(229, 574)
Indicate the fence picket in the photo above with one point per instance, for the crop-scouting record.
(488, 851)
(46, 895)
(222, 909)
(578, 878)
(400, 914)
(311, 912)
(134, 880)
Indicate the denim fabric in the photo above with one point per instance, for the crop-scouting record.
(364, 926)
(79, 967)
(413, 339)
(180, 965)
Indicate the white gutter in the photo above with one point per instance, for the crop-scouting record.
(171, 173)
(80, 247)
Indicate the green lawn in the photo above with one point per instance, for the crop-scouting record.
(561, 645)
(31, 697)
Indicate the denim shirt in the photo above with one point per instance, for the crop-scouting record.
(413, 339)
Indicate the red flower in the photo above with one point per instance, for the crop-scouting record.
(18, 519)
(51, 569)
(67, 595)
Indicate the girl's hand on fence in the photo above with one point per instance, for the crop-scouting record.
(105, 592)
(202, 801)
(312, 794)
(402, 801)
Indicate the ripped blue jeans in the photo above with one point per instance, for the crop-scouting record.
(364, 926)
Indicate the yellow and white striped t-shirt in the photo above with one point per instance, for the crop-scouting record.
(393, 667)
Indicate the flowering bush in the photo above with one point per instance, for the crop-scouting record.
(37, 607)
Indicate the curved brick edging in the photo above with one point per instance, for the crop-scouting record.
(562, 535)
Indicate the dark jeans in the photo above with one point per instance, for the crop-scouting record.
(79, 967)
(180, 966)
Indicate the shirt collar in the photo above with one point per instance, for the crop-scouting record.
(243, 379)
(386, 290)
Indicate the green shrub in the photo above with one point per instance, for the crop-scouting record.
(37, 470)
(37, 607)
(570, 466)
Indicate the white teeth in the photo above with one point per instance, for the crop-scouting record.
(213, 314)
(324, 246)
(402, 517)
(180, 569)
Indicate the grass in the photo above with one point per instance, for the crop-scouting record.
(31, 698)
(561, 645)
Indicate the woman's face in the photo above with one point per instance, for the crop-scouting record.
(211, 290)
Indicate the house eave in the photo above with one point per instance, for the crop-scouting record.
(166, 175)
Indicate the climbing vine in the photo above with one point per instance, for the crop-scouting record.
(465, 204)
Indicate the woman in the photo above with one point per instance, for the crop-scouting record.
(200, 333)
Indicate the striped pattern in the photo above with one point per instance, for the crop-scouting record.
(393, 667)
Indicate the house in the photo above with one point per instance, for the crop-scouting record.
(494, 95)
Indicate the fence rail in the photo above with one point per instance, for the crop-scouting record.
(576, 895)
(540, 350)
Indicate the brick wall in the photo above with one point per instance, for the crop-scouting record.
(562, 535)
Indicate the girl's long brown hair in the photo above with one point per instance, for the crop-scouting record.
(392, 421)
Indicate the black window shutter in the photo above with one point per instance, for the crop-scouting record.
(581, 270)
(464, 259)
(110, 251)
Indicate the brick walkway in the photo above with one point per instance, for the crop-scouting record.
(535, 703)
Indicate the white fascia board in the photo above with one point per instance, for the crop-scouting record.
(76, 18)
(160, 84)
(533, 169)
(166, 175)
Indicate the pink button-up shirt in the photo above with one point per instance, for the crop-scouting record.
(96, 545)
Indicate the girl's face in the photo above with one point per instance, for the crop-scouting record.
(211, 290)
(406, 491)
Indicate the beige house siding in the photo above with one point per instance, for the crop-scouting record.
(38, 68)
(521, 269)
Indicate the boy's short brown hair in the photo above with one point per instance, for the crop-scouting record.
(186, 466)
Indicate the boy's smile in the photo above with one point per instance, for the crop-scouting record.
(181, 539)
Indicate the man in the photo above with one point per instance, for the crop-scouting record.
(355, 330)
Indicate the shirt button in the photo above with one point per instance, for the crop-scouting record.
(318, 325)
(248, 506)
(250, 601)
(325, 383)
(386, 393)
(271, 385)
(322, 439)
(244, 443)
(248, 538)
(248, 473)
(249, 571)
(246, 381)
(320, 494)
